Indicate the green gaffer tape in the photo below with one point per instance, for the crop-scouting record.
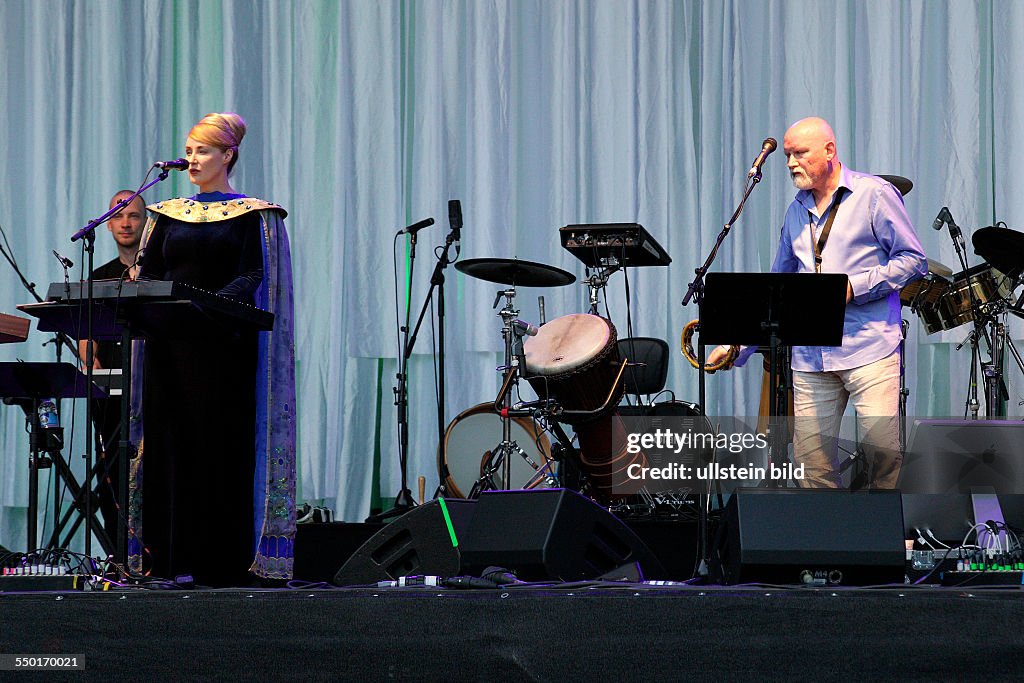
(448, 522)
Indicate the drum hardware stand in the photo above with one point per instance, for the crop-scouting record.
(995, 390)
(904, 391)
(856, 461)
(1002, 250)
(974, 338)
(997, 341)
(511, 272)
(972, 406)
(501, 455)
(597, 281)
(996, 393)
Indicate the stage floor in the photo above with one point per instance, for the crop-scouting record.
(594, 632)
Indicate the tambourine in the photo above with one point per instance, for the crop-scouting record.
(686, 346)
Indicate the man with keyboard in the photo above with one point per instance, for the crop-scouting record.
(126, 229)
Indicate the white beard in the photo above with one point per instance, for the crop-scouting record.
(802, 181)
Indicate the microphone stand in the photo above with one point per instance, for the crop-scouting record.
(404, 500)
(980, 333)
(88, 232)
(696, 291)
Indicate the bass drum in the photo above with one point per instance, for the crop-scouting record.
(476, 432)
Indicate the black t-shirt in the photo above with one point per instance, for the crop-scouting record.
(109, 353)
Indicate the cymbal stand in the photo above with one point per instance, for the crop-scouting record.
(1013, 351)
(501, 456)
(985, 316)
(994, 313)
(1000, 342)
(904, 391)
(972, 406)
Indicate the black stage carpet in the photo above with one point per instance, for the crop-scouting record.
(596, 633)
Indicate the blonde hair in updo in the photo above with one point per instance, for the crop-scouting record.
(220, 130)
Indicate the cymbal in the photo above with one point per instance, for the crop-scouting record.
(514, 272)
(904, 185)
(1003, 248)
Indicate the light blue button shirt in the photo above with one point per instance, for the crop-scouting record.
(873, 242)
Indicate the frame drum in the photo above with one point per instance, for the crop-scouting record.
(476, 432)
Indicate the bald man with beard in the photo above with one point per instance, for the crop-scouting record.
(873, 242)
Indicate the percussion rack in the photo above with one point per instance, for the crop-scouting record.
(981, 295)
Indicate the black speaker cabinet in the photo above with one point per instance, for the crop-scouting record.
(417, 543)
(810, 536)
(551, 534)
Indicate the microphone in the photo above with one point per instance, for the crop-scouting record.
(66, 262)
(455, 219)
(179, 164)
(946, 217)
(416, 227)
(523, 327)
(767, 147)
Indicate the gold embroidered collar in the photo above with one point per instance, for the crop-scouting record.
(194, 211)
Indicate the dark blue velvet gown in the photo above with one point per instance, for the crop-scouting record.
(199, 409)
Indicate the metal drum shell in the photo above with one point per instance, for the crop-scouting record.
(954, 307)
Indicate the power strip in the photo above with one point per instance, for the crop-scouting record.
(37, 570)
(16, 583)
(1011, 577)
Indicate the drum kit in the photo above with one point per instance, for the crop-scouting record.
(981, 295)
(573, 364)
(468, 436)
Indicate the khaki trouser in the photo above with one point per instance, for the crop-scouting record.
(819, 400)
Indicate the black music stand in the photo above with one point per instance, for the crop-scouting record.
(774, 310)
(25, 385)
(107, 322)
(140, 309)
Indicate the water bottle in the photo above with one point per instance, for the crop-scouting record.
(48, 418)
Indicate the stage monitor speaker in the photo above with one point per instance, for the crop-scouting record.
(417, 543)
(551, 534)
(964, 456)
(810, 536)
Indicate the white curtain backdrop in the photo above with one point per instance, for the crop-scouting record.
(367, 115)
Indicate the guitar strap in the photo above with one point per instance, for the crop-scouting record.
(819, 246)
